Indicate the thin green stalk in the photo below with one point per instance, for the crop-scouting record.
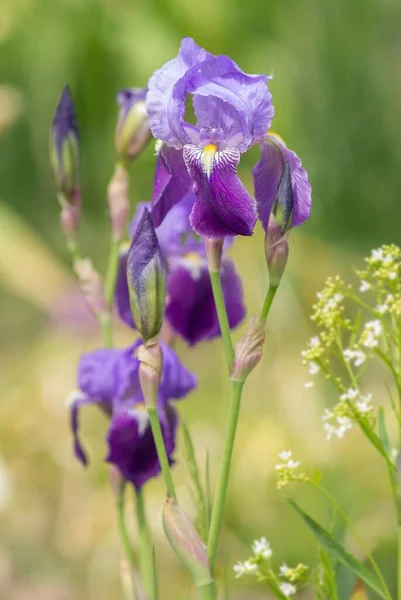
(207, 592)
(112, 272)
(161, 450)
(354, 531)
(222, 316)
(72, 246)
(222, 481)
(271, 292)
(124, 537)
(145, 547)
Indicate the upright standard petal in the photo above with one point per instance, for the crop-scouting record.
(146, 274)
(223, 206)
(165, 106)
(172, 183)
(131, 444)
(191, 309)
(267, 175)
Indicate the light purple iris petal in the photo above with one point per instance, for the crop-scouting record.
(191, 310)
(267, 174)
(165, 106)
(133, 450)
(223, 206)
(122, 302)
(172, 183)
(108, 374)
(245, 95)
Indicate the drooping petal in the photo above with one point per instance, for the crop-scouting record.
(176, 381)
(131, 445)
(108, 374)
(77, 400)
(172, 183)
(191, 309)
(164, 103)
(267, 174)
(223, 206)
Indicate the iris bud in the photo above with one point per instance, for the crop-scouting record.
(91, 285)
(64, 148)
(186, 543)
(276, 244)
(118, 200)
(248, 351)
(133, 131)
(146, 275)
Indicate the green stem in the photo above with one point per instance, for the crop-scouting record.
(122, 530)
(222, 481)
(360, 541)
(145, 547)
(161, 450)
(399, 563)
(271, 292)
(112, 272)
(222, 316)
(207, 592)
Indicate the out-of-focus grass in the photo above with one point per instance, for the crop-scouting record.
(336, 92)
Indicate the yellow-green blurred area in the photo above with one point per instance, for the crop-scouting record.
(337, 94)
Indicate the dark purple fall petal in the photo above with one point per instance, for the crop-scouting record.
(172, 183)
(223, 206)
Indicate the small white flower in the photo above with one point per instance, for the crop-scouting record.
(313, 368)
(375, 327)
(288, 589)
(308, 384)
(239, 569)
(284, 569)
(363, 404)
(392, 275)
(315, 341)
(350, 394)
(250, 568)
(328, 414)
(338, 297)
(360, 358)
(378, 254)
(381, 308)
(365, 286)
(293, 464)
(262, 548)
(285, 455)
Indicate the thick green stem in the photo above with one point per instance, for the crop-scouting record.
(207, 592)
(123, 533)
(161, 450)
(271, 292)
(145, 547)
(222, 482)
(222, 316)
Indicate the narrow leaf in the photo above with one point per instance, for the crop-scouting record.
(209, 499)
(339, 552)
(329, 574)
(383, 430)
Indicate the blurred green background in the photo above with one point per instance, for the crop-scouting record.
(337, 94)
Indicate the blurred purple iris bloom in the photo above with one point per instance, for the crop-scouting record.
(190, 307)
(233, 112)
(110, 378)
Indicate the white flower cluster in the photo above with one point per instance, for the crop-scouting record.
(245, 568)
(287, 469)
(261, 550)
(288, 589)
(354, 356)
(371, 333)
(351, 405)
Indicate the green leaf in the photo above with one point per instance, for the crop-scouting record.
(209, 499)
(198, 493)
(329, 574)
(383, 430)
(375, 440)
(339, 552)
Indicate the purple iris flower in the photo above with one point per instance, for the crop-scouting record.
(110, 378)
(233, 112)
(190, 307)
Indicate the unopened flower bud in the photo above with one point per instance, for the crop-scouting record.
(118, 200)
(131, 582)
(91, 285)
(64, 148)
(133, 131)
(146, 275)
(150, 371)
(248, 351)
(117, 481)
(70, 217)
(214, 253)
(186, 543)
